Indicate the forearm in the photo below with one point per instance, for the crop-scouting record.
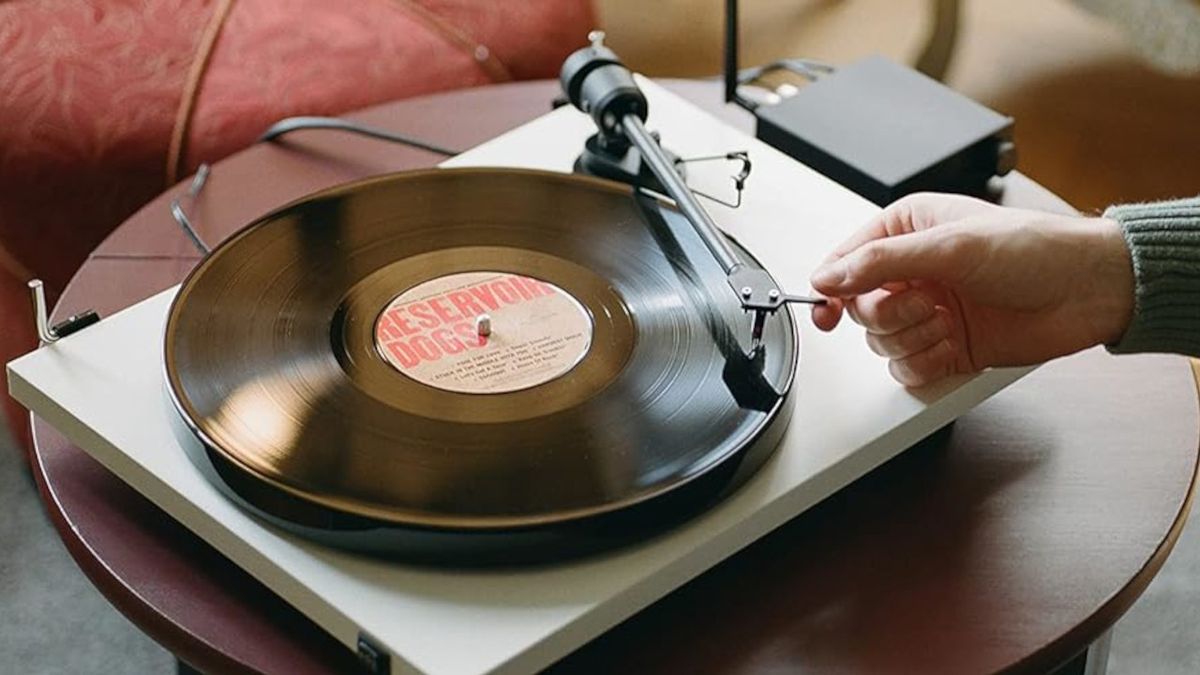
(1164, 244)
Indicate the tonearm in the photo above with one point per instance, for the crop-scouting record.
(597, 83)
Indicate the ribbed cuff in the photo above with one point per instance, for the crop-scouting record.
(1164, 243)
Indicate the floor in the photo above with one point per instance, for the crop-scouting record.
(52, 621)
(1094, 124)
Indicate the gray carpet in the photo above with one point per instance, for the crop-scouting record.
(51, 618)
(53, 621)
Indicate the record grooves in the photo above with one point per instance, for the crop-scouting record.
(328, 372)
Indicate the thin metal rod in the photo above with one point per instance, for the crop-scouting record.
(181, 216)
(665, 171)
(40, 319)
(739, 180)
(731, 50)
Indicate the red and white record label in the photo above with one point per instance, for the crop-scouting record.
(483, 332)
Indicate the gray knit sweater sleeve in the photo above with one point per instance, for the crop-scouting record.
(1164, 243)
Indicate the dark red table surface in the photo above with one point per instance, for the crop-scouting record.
(1010, 541)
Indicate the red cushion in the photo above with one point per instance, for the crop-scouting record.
(89, 93)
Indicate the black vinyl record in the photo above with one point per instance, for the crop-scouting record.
(473, 366)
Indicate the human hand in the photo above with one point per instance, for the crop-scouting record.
(945, 284)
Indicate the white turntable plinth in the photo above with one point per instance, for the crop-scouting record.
(103, 388)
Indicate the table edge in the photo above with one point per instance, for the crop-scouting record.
(1071, 643)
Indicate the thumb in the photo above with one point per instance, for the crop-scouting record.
(931, 255)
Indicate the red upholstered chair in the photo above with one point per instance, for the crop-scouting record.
(103, 104)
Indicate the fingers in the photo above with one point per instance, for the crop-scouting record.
(865, 268)
(906, 327)
(827, 316)
(926, 366)
(883, 313)
(913, 213)
(902, 243)
(943, 255)
(913, 339)
(910, 330)
(926, 210)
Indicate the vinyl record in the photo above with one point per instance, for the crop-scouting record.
(473, 365)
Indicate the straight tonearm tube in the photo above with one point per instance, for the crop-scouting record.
(597, 83)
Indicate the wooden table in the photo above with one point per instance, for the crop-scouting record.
(1012, 540)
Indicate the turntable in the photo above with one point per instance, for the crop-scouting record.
(607, 374)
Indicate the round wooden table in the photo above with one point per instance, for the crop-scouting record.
(1011, 540)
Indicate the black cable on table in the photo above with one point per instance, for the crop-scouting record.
(291, 124)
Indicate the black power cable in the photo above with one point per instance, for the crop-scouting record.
(290, 124)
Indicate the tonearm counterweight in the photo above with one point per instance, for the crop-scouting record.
(597, 83)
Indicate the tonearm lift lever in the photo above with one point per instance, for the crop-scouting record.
(597, 83)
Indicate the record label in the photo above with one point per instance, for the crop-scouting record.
(483, 332)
